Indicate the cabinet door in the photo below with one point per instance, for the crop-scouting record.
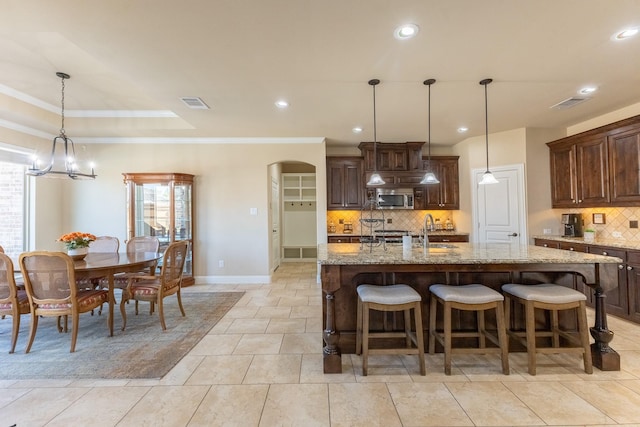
(345, 188)
(445, 195)
(563, 176)
(391, 159)
(592, 172)
(547, 243)
(633, 282)
(616, 299)
(624, 163)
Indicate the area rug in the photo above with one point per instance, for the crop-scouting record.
(143, 350)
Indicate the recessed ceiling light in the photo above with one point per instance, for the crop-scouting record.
(357, 129)
(462, 129)
(587, 90)
(282, 104)
(625, 34)
(406, 31)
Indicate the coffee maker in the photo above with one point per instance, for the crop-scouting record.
(572, 224)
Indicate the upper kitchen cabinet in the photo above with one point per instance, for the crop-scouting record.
(161, 205)
(597, 168)
(579, 172)
(445, 195)
(345, 185)
(392, 156)
(624, 164)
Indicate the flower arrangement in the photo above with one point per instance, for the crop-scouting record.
(77, 240)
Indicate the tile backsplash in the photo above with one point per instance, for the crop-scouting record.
(393, 220)
(616, 224)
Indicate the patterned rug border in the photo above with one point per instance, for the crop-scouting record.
(143, 351)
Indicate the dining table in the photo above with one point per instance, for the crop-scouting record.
(103, 264)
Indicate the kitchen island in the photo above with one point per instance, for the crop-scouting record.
(344, 266)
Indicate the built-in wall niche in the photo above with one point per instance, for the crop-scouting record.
(299, 240)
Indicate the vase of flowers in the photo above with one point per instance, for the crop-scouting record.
(77, 244)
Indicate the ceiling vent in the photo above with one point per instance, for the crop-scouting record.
(570, 102)
(195, 103)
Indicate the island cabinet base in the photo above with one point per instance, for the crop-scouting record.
(339, 283)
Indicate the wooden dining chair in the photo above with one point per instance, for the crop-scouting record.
(50, 284)
(108, 244)
(13, 301)
(155, 288)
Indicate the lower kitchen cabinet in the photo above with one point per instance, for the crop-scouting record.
(343, 239)
(449, 238)
(622, 300)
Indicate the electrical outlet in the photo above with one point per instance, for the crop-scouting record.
(341, 221)
(221, 263)
(616, 234)
(633, 224)
(546, 231)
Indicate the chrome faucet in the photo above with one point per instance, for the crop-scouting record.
(428, 218)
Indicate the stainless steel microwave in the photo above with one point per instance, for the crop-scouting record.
(394, 198)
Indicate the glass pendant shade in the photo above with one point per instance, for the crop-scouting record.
(375, 178)
(488, 178)
(429, 177)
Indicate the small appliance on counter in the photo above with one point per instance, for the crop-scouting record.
(348, 228)
(572, 224)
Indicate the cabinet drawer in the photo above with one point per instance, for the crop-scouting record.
(578, 247)
(547, 243)
(454, 238)
(633, 257)
(605, 250)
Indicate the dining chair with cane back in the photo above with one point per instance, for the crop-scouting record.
(155, 288)
(50, 283)
(13, 301)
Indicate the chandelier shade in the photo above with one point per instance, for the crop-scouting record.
(429, 177)
(66, 166)
(375, 178)
(487, 177)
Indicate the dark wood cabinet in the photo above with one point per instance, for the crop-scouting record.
(597, 168)
(633, 282)
(579, 173)
(343, 239)
(449, 238)
(445, 195)
(616, 299)
(392, 156)
(345, 186)
(624, 164)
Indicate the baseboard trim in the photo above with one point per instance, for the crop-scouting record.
(226, 280)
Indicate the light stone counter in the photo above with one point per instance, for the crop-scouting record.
(614, 243)
(453, 253)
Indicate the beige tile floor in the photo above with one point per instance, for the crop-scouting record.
(261, 365)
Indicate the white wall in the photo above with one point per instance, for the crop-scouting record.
(230, 179)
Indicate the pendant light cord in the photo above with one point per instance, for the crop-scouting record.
(62, 104)
(486, 125)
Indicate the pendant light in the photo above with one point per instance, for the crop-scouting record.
(487, 177)
(70, 169)
(429, 177)
(375, 178)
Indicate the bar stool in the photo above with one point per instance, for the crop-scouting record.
(551, 297)
(389, 298)
(476, 298)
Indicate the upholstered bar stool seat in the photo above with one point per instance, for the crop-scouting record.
(476, 298)
(551, 297)
(389, 298)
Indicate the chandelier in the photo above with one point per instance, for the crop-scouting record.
(70, 161)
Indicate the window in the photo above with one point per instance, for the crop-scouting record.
(13, 203)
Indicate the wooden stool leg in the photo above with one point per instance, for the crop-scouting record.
(365, 338)
(407, 328)
(502, 337)
(432, 324)
(447, 338)
(584, 337)
(531, 336)
(359, 327)
(555, 328)
(420, 337)
(482, 342)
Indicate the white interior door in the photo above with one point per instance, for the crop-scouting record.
(499, 209)
(275, 224)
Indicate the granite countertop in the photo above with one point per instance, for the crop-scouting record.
(614, 243)
(452, 253)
